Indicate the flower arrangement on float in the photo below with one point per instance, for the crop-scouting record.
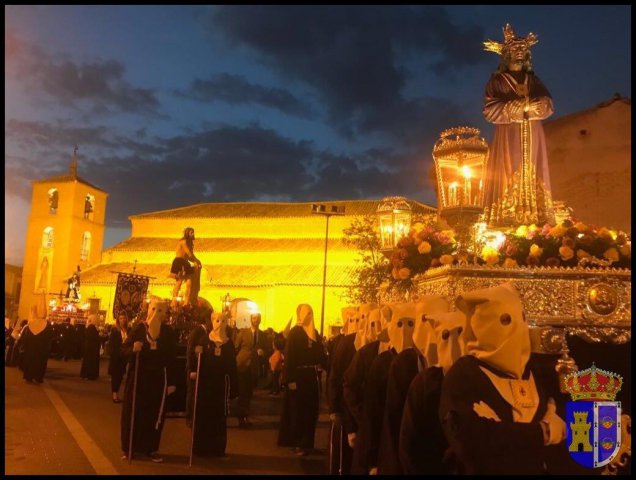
(567, 244)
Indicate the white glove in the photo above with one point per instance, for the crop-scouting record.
(193, 375)
(171, 389)
(483, 410)
(260, 352)
(137, 346)
(351, 438)
(553, 425)
(198, 349)
(373, 471)
(334, 417)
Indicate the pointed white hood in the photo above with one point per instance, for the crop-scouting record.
(496, 331)
(157, 312)
(305, 318)
(218, 334)
(372, 327)
(423, 337)
(37, 315)
(363, 320)
(349, 320)
(385, 318)
(401, 327)
(448, 336)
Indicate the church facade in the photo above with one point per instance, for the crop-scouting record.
(270, 253)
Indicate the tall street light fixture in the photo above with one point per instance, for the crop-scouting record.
(327, 211)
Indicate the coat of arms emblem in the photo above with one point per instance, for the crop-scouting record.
(593, 418)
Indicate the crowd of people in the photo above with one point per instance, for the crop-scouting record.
(412, 388)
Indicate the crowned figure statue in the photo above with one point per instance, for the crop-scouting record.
(517, 181)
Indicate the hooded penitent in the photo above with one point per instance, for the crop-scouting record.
(448, 337)
(401, 326)
(364, 311)
(496, 331)
(349, 320)
(218, 333)
(373, 327)
(157, 311)
(37, 315)
(423, 337)
(305, 318)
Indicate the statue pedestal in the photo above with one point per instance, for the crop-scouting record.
(591, 303)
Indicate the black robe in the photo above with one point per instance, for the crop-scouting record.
(218, 384)
(483, 446)
(374, 403)
(34, 352)
(156, 373)
(304, 359)
(116, 362)
(90, 357)
(403, 369)
(423, 447)
(355, 378)
(340, 453)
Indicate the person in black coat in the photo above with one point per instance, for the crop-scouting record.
(340, 452)
(12, 351)
(403, 369)
(90, 357)
(423, 449)
(355, 385)
(217, 384)
(154, 343)
(35, 343)
(116, 362)
(497, 419)
(305, 358)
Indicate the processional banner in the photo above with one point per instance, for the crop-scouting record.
(129, 295)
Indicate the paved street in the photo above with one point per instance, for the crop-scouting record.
(71, 426)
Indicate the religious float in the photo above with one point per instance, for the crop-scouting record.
(498, 223)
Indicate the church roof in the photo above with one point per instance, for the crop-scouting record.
(273, 209)
(152, 244)
(230, 275)
(68, 178)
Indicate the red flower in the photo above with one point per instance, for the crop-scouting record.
(511, 250)
(435, 262)
(568, 242)
(532, 261)
(552, 262)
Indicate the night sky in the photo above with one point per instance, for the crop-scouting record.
(172, 106)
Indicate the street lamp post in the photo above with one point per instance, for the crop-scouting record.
(327, 211)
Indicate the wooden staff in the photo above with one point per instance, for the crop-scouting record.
(199, 350)
(134, 401)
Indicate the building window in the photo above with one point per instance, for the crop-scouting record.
(89, 206)
(86, 246)
(53, 200)
(47, 237)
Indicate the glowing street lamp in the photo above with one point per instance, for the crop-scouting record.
(394, 215)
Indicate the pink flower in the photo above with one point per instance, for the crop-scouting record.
(531, 234)
(442, 238)
(545, 230)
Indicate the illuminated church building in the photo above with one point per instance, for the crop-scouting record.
(270, 253)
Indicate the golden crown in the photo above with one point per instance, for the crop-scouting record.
(593, 384)
(510, 38)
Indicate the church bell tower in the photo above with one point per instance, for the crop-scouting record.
(65, 230)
